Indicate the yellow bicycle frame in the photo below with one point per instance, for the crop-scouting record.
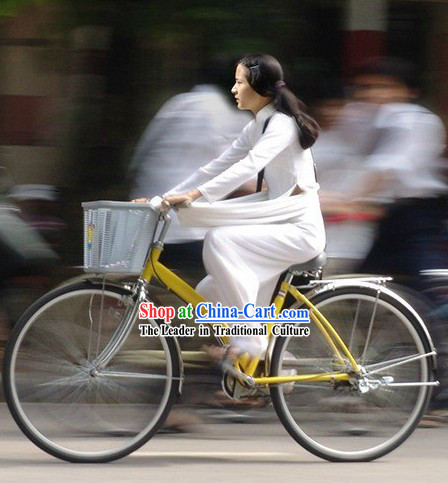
(246, 365)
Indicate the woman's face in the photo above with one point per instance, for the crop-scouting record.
(245, 96)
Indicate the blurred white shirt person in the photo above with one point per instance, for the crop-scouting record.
(338, 154)
(189, 130)
(402, 168)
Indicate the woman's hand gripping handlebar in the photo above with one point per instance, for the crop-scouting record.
(182, 200)
(165, 204)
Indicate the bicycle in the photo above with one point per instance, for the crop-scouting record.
(85, 387)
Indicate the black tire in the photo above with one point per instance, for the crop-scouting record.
(50, 389)
(335, 421)
(435, 288)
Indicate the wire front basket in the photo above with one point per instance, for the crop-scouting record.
(117, 236)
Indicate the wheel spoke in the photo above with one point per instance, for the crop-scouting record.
(133, 375)
(380, 406)
(61, 401)
(410, 384)
(369, 332)
(403, 360)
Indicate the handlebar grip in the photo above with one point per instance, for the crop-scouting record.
(157, 202)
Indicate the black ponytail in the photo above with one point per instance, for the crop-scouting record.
(266, 78)
(288, 103)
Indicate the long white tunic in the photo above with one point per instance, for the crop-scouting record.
(243, 262)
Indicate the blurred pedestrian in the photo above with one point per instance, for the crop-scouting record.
(400, 144)
(189, 130)
(402, 168)
(338, 158)
(23, 252)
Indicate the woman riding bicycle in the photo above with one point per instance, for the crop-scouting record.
(243, 262)
(89, 388)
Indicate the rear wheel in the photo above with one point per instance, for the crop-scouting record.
(365, 418)
(59, 399)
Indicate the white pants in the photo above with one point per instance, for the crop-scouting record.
(244, 262)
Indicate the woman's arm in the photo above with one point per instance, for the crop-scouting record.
(279, 135)
(238, 150)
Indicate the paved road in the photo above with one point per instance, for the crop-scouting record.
(225, 453)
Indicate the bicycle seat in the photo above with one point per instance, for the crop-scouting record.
(313, 264)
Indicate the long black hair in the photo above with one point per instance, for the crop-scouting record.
(265, 76)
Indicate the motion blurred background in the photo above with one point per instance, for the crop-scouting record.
(80, 80)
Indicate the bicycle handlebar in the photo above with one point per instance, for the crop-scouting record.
(157, 203)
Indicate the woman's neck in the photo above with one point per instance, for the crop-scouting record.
(261, 104)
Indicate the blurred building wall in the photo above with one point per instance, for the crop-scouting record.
(438, 55)
(365, 31)
(51, 78)
(32, 97)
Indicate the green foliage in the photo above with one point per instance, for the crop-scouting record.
(12, 7)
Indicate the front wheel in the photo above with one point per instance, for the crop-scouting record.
(360, 419)
(56, 395)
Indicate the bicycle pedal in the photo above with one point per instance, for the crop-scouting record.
(237, 391)
(232, 387)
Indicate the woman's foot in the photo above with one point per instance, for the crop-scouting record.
(436, 418)
(181, 421)
(219, 353)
